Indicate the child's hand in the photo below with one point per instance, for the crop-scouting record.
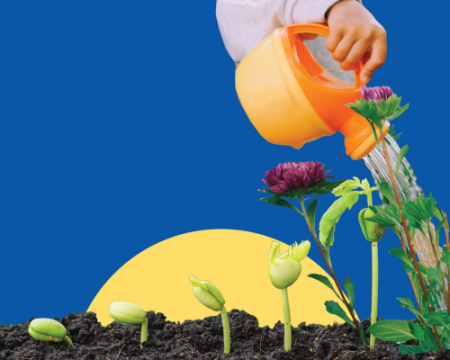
(354, 34)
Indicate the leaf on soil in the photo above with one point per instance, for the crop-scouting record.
(391, 330)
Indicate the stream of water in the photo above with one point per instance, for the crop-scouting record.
(409, 190)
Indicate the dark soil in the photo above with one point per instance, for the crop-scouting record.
(199, 339)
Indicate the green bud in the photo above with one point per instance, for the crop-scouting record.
(286, 269)
(127, 313)
(373, 232)
(208, 294)
(48, 330)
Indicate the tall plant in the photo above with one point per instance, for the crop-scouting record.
(404, 217)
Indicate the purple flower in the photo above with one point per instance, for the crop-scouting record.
(289, 176)
(376, 93)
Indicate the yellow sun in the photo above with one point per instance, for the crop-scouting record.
(235, 261)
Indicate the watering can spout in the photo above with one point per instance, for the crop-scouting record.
(291, 99)
(359, 139)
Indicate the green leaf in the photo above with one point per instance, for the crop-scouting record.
(399, 112)
(374, 132)
(438, 213)
(330, 239)
(420, 210)
(433, 274)
(408, 304)
(391, 131)
(411, 349)
(437, 318)
(362, 336)
(417, 331)
(430, 343)
(324, 280)
(388, 216)
(386, 191)
(438, 230)
(396, 137)
(333, 214)
(422, 268)
(409, 268)
(280, 202)
(334, 308)
(445, 257)
(400, 254)
(400, 157)
(350, 292)
(391, 330)
(312, 208)
(445, 340)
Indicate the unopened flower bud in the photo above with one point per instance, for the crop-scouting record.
(372, 231)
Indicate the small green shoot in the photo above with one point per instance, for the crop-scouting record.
(127, 313)
(210, 296)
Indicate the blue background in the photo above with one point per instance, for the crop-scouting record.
(120, 128)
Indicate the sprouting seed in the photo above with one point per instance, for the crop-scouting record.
(284, 270)
(210, 296)
(49, 330)
(127, 313)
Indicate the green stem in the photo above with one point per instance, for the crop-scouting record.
(226, 330)
(287, 320)
(144, 331)
(68, 341)
(327, 254)
(374, 315)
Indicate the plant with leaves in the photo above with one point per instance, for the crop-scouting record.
(210, 296)
(378, 106)
(305, 181)
(373, 232)
(284, 270)
(419, 214)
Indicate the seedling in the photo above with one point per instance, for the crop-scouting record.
(48, 330)
(127, 313)
(284, 270)
(210, 296)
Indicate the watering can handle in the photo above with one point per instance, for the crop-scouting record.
(323, 30)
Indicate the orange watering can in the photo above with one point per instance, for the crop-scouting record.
(291, 99)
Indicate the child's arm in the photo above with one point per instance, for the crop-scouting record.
(245, 23)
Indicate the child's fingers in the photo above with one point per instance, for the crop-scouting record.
(376, 60)
(333, 40)
(344, 47)
(355, 55)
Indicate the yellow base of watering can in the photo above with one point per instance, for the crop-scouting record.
(291, 99)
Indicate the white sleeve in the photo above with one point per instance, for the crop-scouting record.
(244, 24)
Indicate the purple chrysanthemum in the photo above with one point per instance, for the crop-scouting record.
(289, 176)
(376, 93)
